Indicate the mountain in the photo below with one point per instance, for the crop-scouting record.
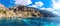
(24, 11)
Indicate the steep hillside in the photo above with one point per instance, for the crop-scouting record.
(23, 11)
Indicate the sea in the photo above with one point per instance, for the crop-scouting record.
(42, 21)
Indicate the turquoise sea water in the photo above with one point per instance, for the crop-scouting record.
(28, 22)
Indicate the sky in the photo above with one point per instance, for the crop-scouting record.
(50, 5)
(9, 3)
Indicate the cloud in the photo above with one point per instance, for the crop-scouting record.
(22, 2)
(56, 4)
(55, 7)
(38, 4)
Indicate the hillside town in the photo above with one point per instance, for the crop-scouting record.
(19, 11)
